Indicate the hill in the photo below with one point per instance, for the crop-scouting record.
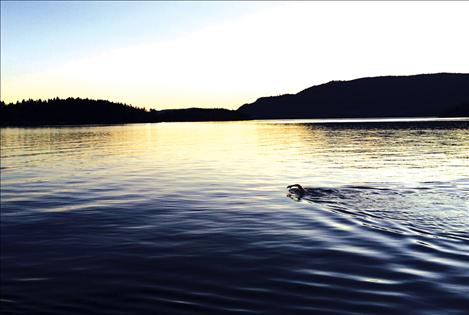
(70, 111)
(425, 95)
(77, 111)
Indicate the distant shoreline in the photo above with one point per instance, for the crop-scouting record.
(369, 120)
(424, 96)
(324, 121)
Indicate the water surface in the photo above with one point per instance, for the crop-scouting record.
(194, 218)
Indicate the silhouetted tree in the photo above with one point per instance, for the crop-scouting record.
(70, 111)
(76, 111)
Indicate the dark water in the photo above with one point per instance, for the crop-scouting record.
(194, 218)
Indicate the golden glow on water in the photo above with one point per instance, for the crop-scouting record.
(306, 153)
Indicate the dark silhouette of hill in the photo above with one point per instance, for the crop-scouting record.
(70, 111)
(77, 111)
(425, 95)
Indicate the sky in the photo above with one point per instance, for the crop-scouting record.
(219, 54)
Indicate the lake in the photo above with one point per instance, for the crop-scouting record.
(195, 218)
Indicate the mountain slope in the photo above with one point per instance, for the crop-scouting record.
(442, 94)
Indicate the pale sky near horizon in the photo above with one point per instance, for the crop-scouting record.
(219, 54)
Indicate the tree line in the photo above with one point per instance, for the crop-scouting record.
(77, 111)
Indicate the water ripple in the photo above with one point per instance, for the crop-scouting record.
(192, 219)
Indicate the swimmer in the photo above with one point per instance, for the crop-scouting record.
(296, 189)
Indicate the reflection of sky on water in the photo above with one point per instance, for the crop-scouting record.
(233, 153)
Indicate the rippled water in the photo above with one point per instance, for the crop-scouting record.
(195, 218)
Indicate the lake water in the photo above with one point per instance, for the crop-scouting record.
(195, 218)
